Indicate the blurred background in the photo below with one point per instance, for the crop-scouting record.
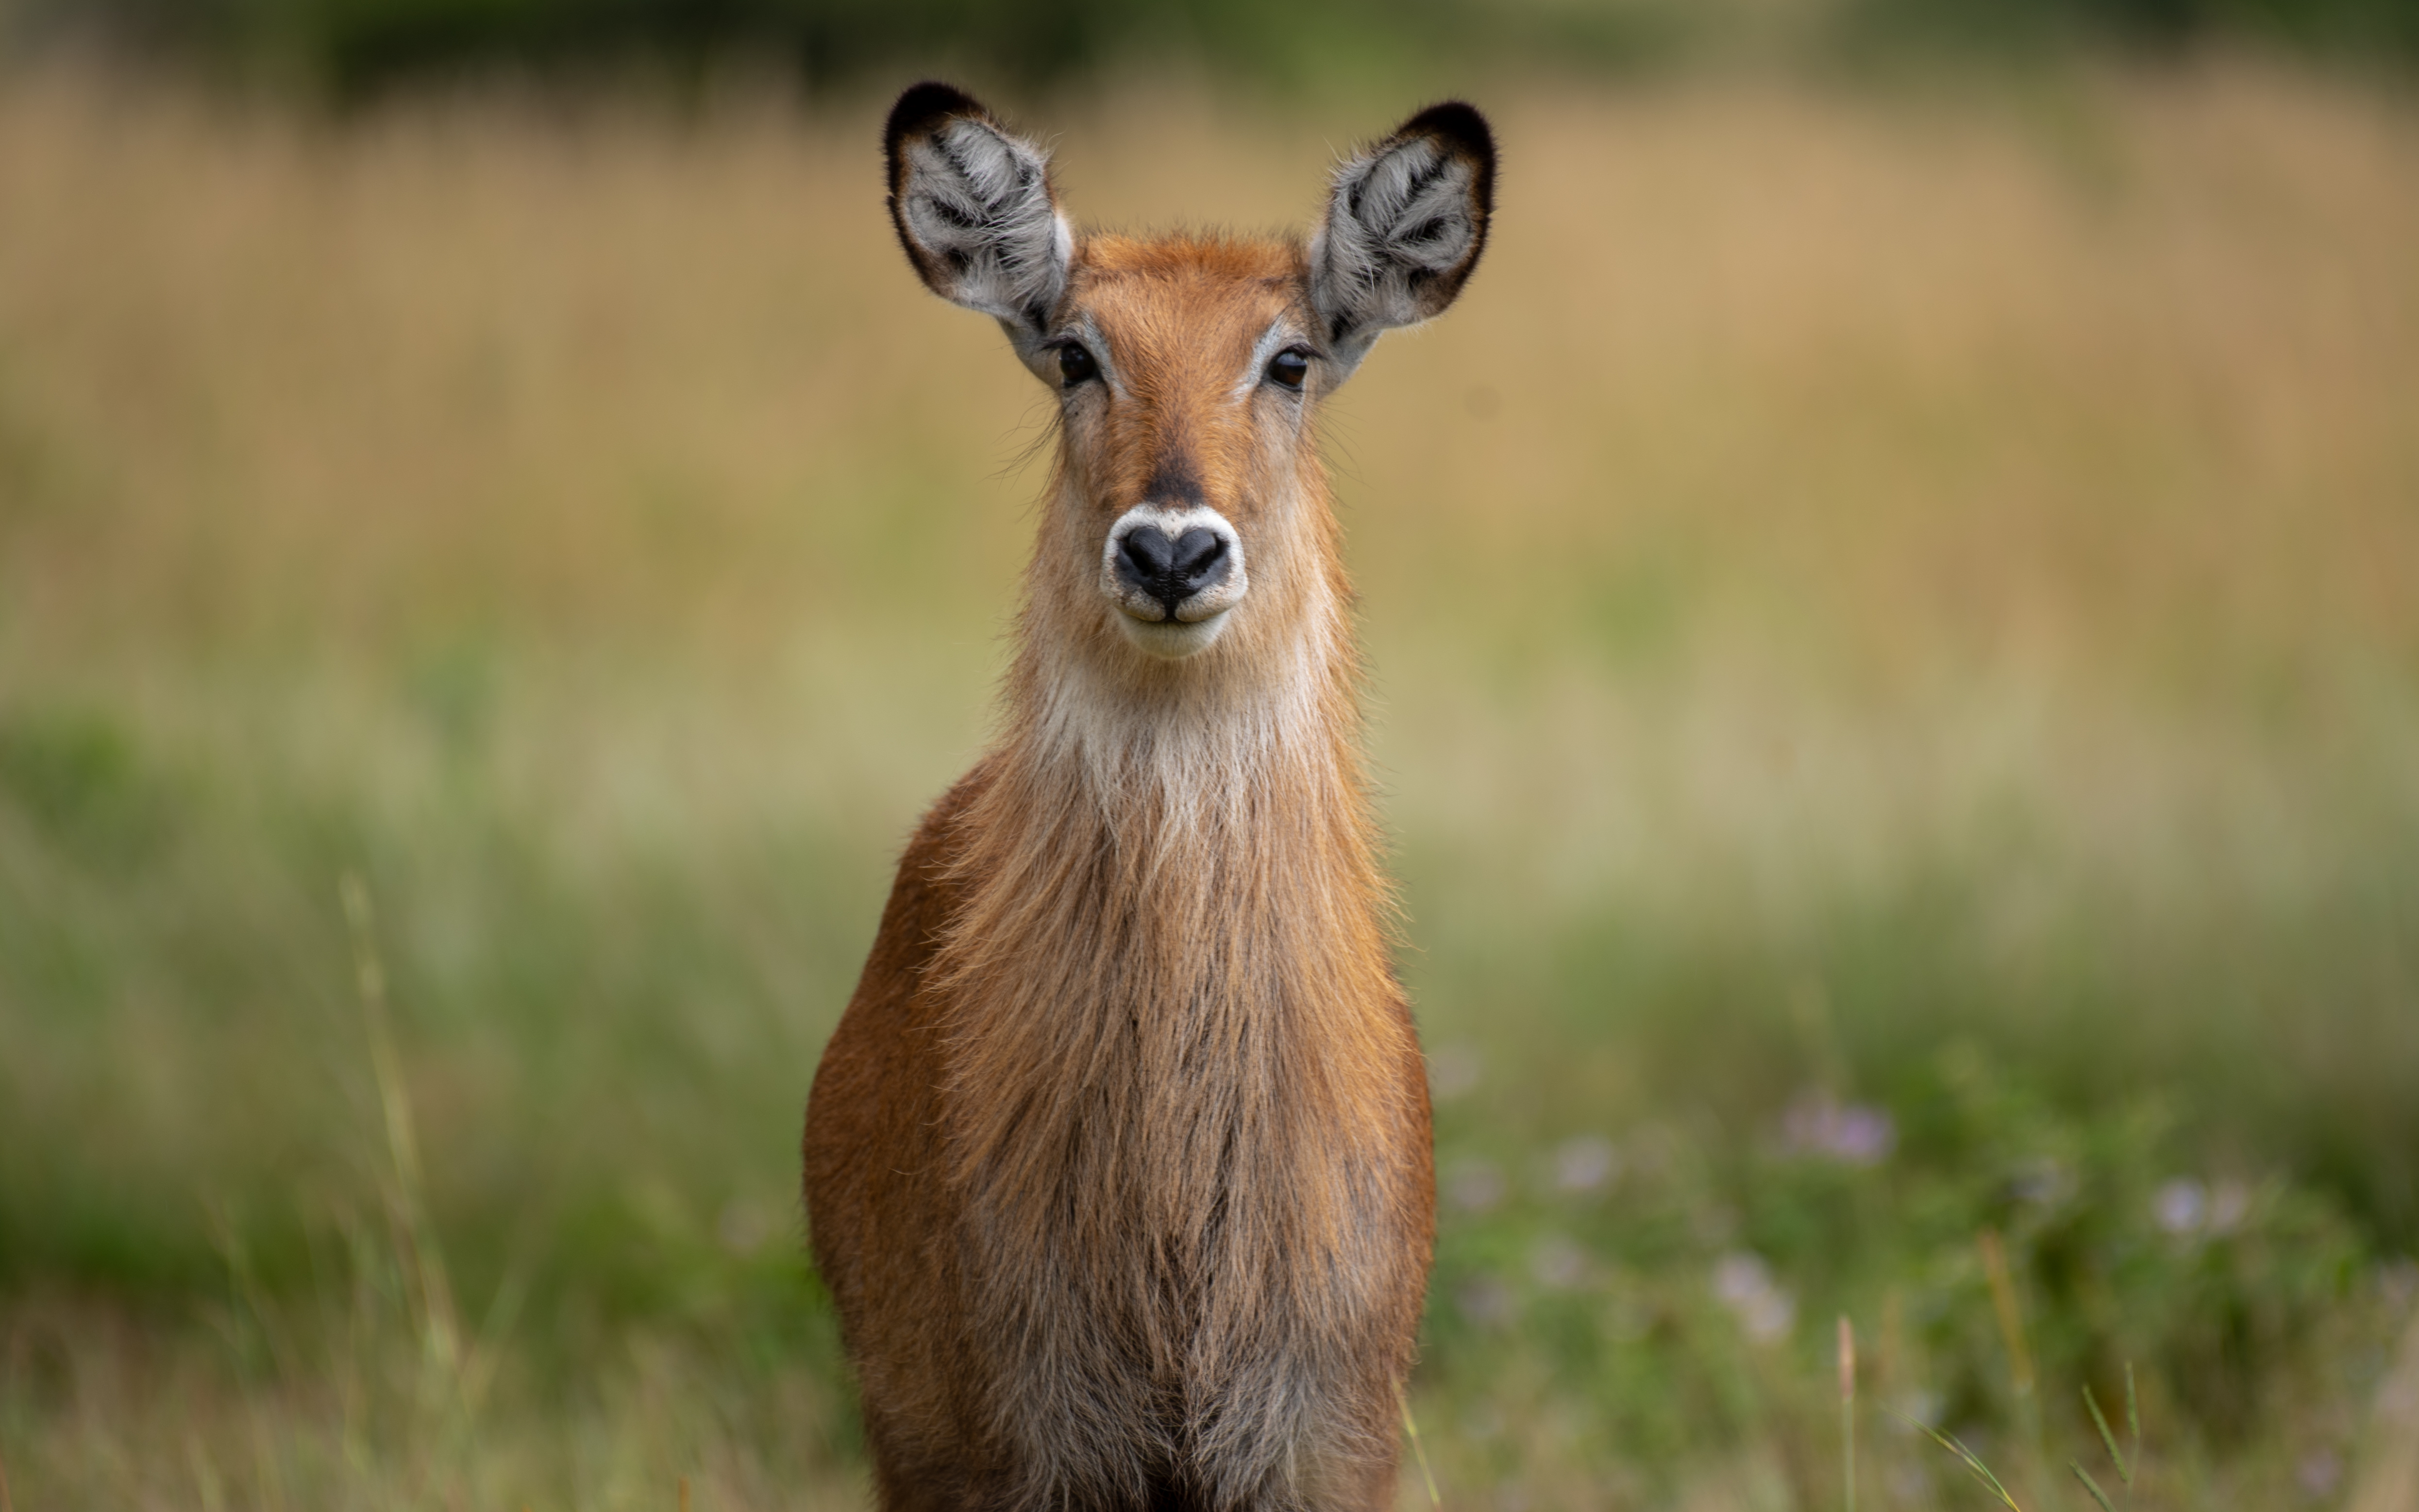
(1893, 604)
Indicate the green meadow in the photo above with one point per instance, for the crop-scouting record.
(1893, 618)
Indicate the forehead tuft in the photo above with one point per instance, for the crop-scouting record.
(1241, 263)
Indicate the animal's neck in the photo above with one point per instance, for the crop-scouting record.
(1171, 913)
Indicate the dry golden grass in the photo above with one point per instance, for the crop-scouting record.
(2113, 368)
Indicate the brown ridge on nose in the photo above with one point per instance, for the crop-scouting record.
(1174, 479)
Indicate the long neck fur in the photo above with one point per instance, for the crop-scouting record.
(1172, 1012)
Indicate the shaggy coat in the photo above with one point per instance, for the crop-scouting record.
(1118, 1164)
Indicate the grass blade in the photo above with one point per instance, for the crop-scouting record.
(2010, 1314)
(2089, 1483)
(2108, 1440)
(2132, 1422)
(1848, 1406)
(1419, 1451)
(1967, 1457)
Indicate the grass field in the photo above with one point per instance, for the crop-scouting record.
(1895, 627)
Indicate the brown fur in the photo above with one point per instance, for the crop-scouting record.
(1119, 1163)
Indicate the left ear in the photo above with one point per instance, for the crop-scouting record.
(1406, 221)
(973, 206)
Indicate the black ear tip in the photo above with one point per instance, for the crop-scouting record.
(1460, 125)
(926, 105)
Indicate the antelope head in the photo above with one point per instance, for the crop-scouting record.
(1190, 510)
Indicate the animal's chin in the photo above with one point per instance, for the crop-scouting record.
(1172, 639)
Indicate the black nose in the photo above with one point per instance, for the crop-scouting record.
(1172, 571)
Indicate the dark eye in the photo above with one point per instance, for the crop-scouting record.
(1290, 367)
(1075, 364)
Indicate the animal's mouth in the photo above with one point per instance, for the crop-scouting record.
(1172, 639)
(1173, 574)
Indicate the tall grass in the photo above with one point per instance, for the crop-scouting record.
(1894, 624)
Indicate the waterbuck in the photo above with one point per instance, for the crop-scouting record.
(1118, 1166)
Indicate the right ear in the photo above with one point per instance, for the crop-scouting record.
(1406, 221)
(973, 207)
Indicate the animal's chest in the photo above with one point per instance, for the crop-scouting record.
(1179, 1175)
(1186, 1250)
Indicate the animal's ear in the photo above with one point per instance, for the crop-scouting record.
(1406, 221)
(974, 208)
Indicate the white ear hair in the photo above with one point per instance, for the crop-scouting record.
(974, 208)
(1406, 221)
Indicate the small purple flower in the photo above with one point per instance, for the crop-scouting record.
(1853, 1133)
(1558, 1262)
(2179, 1206)
(2320, 1472)
(1586, 1164)
(1743, 1284)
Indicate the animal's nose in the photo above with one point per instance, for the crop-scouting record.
(1172, 571)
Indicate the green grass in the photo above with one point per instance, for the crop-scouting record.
(353, 51)
(1896, 677)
